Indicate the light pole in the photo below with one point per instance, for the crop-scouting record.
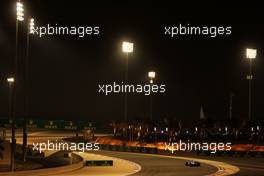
(129, 129)
(30, 30)
(151, 76)
(226, 129)
(11, 82)
(127, 48)
(167, 131)
(139, 132)
(250, 54)
(132, 132)
(156, 137)
(19, 17)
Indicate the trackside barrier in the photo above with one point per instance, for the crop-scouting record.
(99, 163)
(135, 149)
(232, 153)
(154, 150)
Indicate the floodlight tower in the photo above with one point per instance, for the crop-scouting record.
(127, 48)
(151, 76)
(251, 55)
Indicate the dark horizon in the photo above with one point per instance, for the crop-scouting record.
(197, 70)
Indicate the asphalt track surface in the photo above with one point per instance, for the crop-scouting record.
(150, 165)
(159, 166)
(249, 166)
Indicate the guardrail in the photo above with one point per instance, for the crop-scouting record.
(232, 153)
(136, 149)
(154, 150)
(99, 163)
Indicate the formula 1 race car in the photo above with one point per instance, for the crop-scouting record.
(192, 163)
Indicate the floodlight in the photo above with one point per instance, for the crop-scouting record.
(251, 53)
(127, 47)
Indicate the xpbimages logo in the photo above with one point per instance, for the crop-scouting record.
(147, 89)
(57, 146)
(211, 31)
(196, 146)
(80, 31)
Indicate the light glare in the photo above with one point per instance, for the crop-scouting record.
(19, 4)
(10, 80)
(20, 18)
(20, 14)
(20, 10)
(251, 53)
(151, 74)
(31, 26)
(127, 47)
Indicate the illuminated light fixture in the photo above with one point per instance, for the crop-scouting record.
(31, 26)
(251, 53)
(258, 128)
(20, 11)
(11, 80)
(155, 129)
(151, 74)
(127, 47)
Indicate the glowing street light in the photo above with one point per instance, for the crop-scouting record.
(130, 127)
(156, 136)
(30, 31)
(19, 17)
(251, 55)
(20, 11)
(168, 134)
(31, 26)
(10, 80)
(151, 76)
(127, 48)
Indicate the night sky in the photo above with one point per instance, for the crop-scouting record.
(197, 70)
